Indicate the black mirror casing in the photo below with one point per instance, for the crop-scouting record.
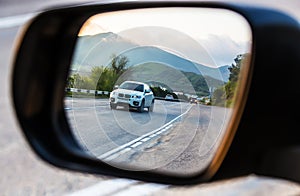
(268, 138)
(263, 138)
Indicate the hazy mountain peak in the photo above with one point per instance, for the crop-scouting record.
(96, 50)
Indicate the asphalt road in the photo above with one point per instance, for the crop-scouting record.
(100, 129)
(23, 173)
(159, 139)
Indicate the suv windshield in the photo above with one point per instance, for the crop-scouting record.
(132, 86)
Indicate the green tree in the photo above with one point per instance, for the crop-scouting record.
(235, 68)
(225, 95)
(96, 73)
(106, 80)
(70, 82)
(118, 63)
(78, 80)
(100, 78)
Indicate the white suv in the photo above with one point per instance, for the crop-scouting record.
(133, 94)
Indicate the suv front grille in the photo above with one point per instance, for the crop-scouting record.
(127, 96)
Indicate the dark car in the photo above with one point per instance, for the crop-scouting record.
(193, 100)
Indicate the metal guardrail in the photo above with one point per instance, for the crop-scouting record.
(172, 100)
(98, 92)
(87, 91)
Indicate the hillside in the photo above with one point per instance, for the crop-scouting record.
(97, 50)
(177, 80)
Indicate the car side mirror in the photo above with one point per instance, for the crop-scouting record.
(88, 49)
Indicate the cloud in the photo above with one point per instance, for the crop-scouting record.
(223, 49)
(213, 50)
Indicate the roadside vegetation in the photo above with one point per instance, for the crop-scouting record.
(224, 95)
(101, 78)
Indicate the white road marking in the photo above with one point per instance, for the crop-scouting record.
(136, 144)
(142, 189)
(153, 135)
(114, 153)
(145, 139)
(125, 150)
(106, 187)
(14, 21)
(120, 187)
(86, 108)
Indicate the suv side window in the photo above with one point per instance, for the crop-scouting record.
(147, 88)
(140, 88)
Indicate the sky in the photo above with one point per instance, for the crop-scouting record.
(212, 37)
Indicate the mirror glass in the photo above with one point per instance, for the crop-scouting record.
(155, 89)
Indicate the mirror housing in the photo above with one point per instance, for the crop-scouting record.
(49, 41)
(116, 87)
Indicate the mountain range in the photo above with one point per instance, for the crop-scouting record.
(97, 50)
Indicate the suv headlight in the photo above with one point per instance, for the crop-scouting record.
(136, 96)
(112, 94)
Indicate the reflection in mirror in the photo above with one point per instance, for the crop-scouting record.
(155, 89)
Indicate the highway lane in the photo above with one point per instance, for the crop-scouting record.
(100, 129)
(184, 148)
(159, 139)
